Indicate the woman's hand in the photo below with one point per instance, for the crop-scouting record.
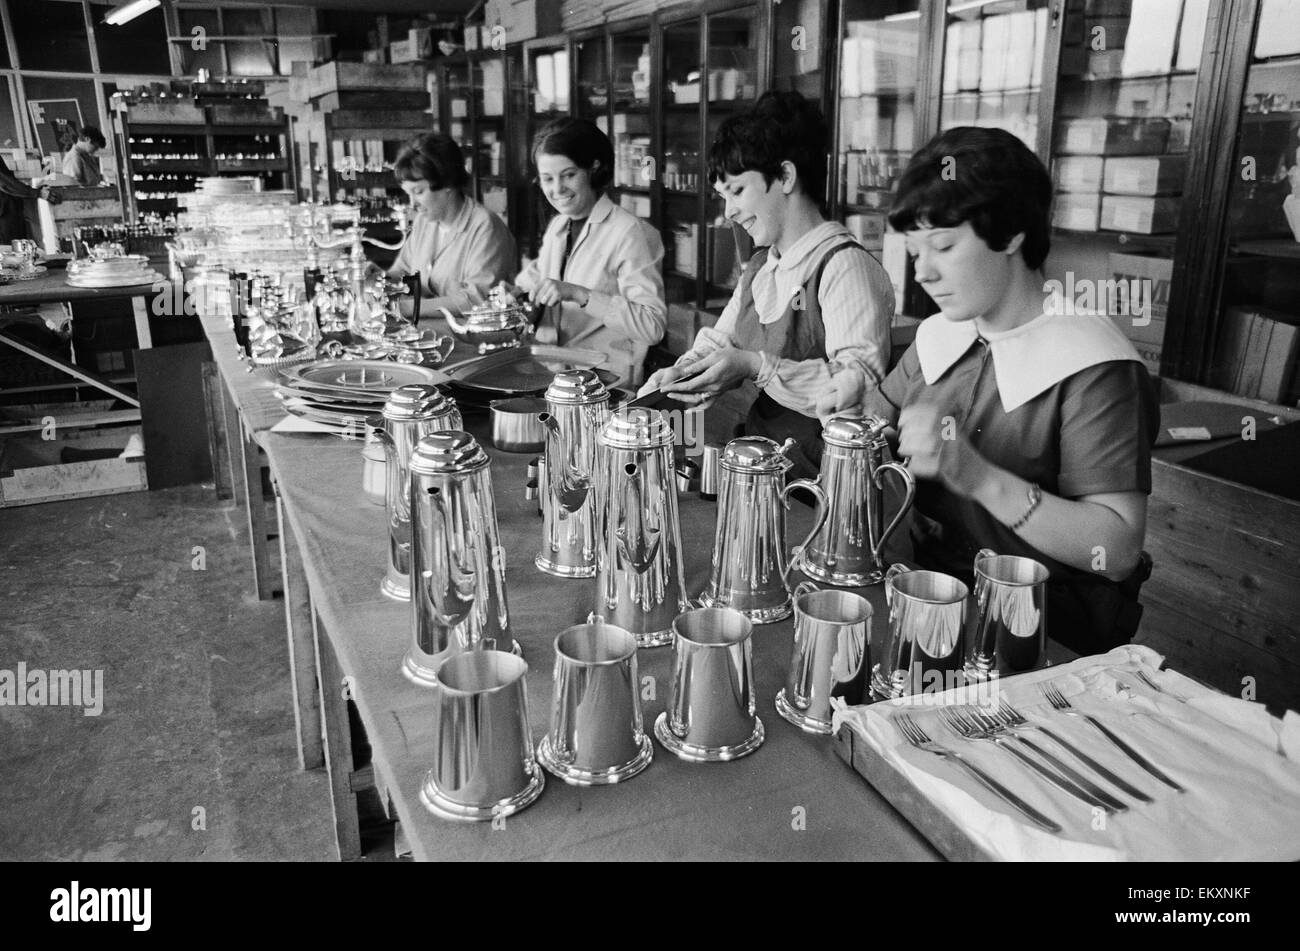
(716, 371)
(935, 449)
(552, 291)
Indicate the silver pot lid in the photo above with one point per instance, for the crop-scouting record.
(448, 452)
(636, 427)
(852, 431)
(755, 454)
(576, 386)
(417, 401)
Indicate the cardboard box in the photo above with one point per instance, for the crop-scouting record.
(1139, 215)
(1078, 173)
(1145, 175)
(472, 37)
(403, 51)
(527, 19)
(1112, 136)
(1154, 276)
(1077, 211)
(421, 40)
(341, 75)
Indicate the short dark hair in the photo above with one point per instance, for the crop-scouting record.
(781, 127)
(582, 143)
(433, 157)
(93, 136)
(985, 176)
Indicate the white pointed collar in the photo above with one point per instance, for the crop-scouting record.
(1029, 359)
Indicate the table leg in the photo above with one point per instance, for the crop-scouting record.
(302, 652)
(143, 336)
(338, 746)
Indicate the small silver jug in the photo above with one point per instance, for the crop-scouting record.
(410, 413)
(458, 572)
(847, 550)
(749, 566)
(577, 405)
(640, 579)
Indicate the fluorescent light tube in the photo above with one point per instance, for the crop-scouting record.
(129, 11)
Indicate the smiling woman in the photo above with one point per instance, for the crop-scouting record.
(598, 271)
(811, 313)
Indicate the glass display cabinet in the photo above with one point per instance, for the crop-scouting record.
(875, 130)
(1125, 92)
(711, 66)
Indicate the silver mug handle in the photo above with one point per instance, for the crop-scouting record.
(823, 510)
(909, 481)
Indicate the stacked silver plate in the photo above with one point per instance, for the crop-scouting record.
(343, 394)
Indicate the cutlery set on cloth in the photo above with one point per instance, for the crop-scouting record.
(1106, 758)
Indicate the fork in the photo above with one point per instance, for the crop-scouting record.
(1151, 682)
(1059, 703)
(1015, 720)
(973, 728)
(921, 740)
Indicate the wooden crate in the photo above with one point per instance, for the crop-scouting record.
(246, 112)
(24, 480)
(339, 76)
(183, 111)
(1223, 601)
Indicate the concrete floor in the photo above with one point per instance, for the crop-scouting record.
(197, 708)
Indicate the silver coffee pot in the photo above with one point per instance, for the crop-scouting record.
(749, 566)
(411, 412)
(458, 572)
(577, 406)
(847, 550)
(640, 578)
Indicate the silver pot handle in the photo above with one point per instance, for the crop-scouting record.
(823, 509)
(910, 494)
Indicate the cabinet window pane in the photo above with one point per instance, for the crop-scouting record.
(8, 127)
(51, 35)
(82, 90)
(254, 57)
(293, 21)
(209, 55)
(138, 46)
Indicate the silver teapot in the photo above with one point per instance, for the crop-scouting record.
(640, 578)
(458, 571)
(410, 413)
(577, 407)
(498, 323)
(847, 550)
(749, 565)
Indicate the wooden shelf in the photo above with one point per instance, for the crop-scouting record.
(1280, 248)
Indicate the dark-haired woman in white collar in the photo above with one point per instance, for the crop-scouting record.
(1029, 430)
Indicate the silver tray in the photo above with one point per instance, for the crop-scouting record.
(522, 371)
(359, 378)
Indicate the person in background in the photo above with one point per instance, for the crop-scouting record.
(12, 193)
(80, 162)
(459, 248)
(598, 270)
(812, 311)
(1029, 430)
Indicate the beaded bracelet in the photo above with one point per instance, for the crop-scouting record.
(1035, 497)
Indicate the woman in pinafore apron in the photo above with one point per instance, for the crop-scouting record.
(811, 312)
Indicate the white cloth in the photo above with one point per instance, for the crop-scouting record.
(1029, 359)
(857, 307)
(618, 258)
(476, 250)
(1242, 798)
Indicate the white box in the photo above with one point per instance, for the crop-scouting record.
(1076, 211)
(1078, 173)
(1153, 24)
(1139, 215)
(1145, 175)
(402, 51)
